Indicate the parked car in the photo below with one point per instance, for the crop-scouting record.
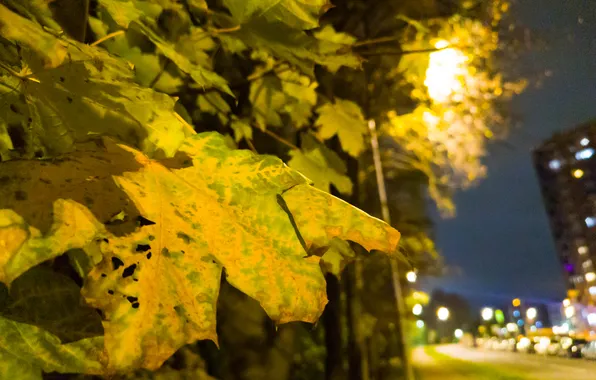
(525, 345)
(589, 350)
(554, 347)
(542, 346)
(571, 348)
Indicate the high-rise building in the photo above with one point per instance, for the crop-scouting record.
(566, 168)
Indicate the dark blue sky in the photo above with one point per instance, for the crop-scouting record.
(500, 238)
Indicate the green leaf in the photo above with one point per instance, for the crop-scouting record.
(268, 99)
(242, 130)
(49, 50)
(213, 103)
(52, 301)
(293, 46)
(90, 93)
(344, 119)
(336, 47)
(27, 350)
(298, 14)
(131, 14)
(188, 217)
(321, 165)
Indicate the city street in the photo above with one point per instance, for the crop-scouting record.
(456, 362)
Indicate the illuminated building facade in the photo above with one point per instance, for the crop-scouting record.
(566, 169)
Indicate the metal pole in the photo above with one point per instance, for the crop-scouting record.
(374, 142)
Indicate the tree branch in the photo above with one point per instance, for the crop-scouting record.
(375, 41)
(279, 138)
(403, 52)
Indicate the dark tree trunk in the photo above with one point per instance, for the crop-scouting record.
(331, 320)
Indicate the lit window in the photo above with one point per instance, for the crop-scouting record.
(590, 276)
(554, 164)
(584, 141)
(584, 154)
(578, 173)
(582, 250)
(587, 264)
(590, 221)
(592, 290)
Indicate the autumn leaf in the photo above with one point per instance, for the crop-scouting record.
(321, 165)
(344, 119)
(187, 217)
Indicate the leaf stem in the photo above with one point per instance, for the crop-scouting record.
(279, 138)
(251, 146)
(107, 37)
(226, 30)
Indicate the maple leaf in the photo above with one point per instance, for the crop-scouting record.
(299, 14)
(27, 350)
(131, 14)
(344, 119)
(180, 221)
(91, 92)
(321, 165)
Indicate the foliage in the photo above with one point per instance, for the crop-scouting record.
(149, 214)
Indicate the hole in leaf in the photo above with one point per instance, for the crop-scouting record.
(14, 108)
(142, 247)
(17, 136)
(104, 275)
(144, 221)
(132, 299)
(20, 195)
(129, 271)
(149, 255)
(135, 305)
(69, 99)
(110, 292)
(117, 263)
(62, 79)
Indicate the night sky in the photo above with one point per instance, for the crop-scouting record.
(499, 246)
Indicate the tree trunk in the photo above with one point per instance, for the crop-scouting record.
(331, 321)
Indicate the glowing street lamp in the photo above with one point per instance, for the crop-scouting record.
(417, 309)
(445, 70)
(459, 333)
(443, 313)
(420, 324)
(531, 313)
(411, 276)
(487, 313)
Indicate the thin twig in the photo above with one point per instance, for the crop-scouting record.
(251, 146)
(280, 139)
(226, 30)
(107, 37)
(375, 41)
(404, 52)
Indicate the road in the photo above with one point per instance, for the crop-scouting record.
(456, 362)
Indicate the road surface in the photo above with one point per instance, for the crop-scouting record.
(456, 362)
